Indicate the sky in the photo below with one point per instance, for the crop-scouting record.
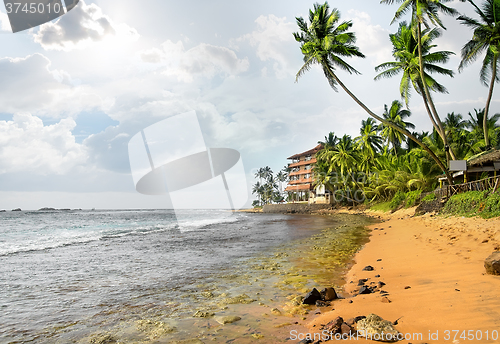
(74, 91)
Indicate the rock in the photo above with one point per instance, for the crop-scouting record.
(328, 294)
(17, 209)
(364, 290)
(312, 297)
(368, 268)
(102, 339)
(228, 319)
(385, 299)
(362, 281)
(320, 303)
(492, 263)
(201, 314)
(345, 329)
(377, 276)
(334, 325)
(380, 284)
(305, 341)
(46, 209)
(374, 327)
(275, 311)
(2, 211)
(407, 287)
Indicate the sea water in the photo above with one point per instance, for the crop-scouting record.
(67, 275)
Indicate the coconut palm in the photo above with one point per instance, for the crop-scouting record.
(486, 37)
(369, 141)
(258, 189)
(405, 51)
(330, 141)
(396, 115)
(281, 177)
(267, 173)
(423, 11)
(326, 42)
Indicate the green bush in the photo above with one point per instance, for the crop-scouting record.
(468, 203)
(412, 197)
(491, 206)
(429, 197)
(398, 198)
(384, 206)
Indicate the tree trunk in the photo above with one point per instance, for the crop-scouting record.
(441, 132)
(392, 125)
(434, 124)
(488, 101)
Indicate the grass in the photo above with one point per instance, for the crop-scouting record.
(381, 207)
(483, 203)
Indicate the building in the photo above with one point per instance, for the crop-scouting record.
(301, 180)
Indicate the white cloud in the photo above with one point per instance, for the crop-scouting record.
(4, 22)
(28, 145)
(372, 40)
(204, 60)
(79, 28)
(29, 84)
(272, 40)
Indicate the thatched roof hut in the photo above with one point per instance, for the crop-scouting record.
(482, 159)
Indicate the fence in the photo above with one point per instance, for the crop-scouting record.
(477, 185)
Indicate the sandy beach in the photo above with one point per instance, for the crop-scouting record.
(433, 270)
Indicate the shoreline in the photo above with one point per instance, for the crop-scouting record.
(434, 278)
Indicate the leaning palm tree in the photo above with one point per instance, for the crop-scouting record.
(325, 42)
(486, 37)
(405, 52)
(396, 115)
(423, 12)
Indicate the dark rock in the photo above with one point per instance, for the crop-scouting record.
(428, 207)
(334, 325)
(407, 287)
(329, 294)
(46, 209)
(2, 211)
(346, 329)
(377, 276)
(17, 209)
(311, 297)
(385, 299)
(362, 281)
(383, 292)
(368, 268)
(320, 303)
(305, 341)
(354, 320)
(379, 260)
(492, 263)
(380, 284)
(364, 290)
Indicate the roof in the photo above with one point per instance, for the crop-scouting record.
(482, 158)
(299, 187)
(309, 152)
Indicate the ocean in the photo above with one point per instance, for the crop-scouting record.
(133, 276)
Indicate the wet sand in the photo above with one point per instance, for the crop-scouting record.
(433, 267)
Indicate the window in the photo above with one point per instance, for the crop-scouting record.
(308, 157)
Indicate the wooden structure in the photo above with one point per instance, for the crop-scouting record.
(301, 181)
(477, 185)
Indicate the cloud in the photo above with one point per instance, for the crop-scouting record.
(372, 40)
(29, 85)
(26, 144)
(4, 22)
(79, 28)
(272, 41)
(204, 60)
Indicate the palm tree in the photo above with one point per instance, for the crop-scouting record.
(330, 141)
(486, 37)
(267, 173)
(369, 142)
(326, 42)
(260, 174)
(396, 115)
(281, 178)
(423, 11)
(405, 51)
(259, 190)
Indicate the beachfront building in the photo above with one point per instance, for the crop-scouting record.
(480, 166)
(301, 180)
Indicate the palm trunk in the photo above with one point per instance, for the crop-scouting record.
(392, 125)
(434, 124)
(428, 96)
(488, 101)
